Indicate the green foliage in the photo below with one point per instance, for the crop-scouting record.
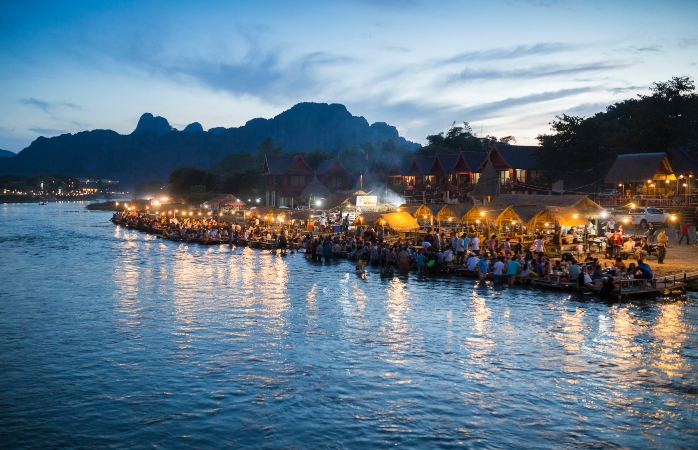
(455, 140)
(582, 150)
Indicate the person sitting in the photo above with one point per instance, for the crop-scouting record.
(628, 248)
(643, 270)
(642, 250)
(584, 279)
(620, 264)
(597, 275)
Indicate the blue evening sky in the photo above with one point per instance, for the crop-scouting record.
(507, 67)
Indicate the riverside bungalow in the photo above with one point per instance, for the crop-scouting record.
(286, 177)
(516, 167)
(333, 174)
(664, 177)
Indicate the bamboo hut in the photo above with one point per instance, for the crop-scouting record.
(514, 219)
(587, 207)
(271, 215)
(342, 200)
(367, 219)
(411, 209)
(483, 213)
(559, 216)
(428, 212)
(453, 212)
(401, 222)
(482, 216)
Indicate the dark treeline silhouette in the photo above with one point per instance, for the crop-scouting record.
(581, 150)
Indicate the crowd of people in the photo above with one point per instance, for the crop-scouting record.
(469, 251)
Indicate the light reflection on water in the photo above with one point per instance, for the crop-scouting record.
(145, 342)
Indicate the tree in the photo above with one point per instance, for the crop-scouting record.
(455, 140)
(187, 180)
(267, 148)
(650, 123)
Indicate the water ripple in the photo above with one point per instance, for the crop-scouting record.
(114, 338)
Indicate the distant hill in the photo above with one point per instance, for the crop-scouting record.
(6, 154)
(155, 149)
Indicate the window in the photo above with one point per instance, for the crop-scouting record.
(297, 180)
(409, 181)
(336, 182)
(476, 177)
(503, 176)
(428, 180)
(533, 174)
(521, 175)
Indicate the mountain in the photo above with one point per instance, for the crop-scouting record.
(6, 154)
(154, 149)
(159, 125)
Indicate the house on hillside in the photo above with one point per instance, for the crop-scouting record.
(286, 177)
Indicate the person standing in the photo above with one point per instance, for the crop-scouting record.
(617, 243)
(460, 251)
(650, 233)
(684, 233)
(513, 267)
(662, 240)
(611, 226)
(476, 244)
(677, 230)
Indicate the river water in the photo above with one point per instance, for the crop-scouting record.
(111, 337)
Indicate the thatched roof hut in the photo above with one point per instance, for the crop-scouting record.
(271, 213)
(399, 221)
(454, 212)
(587, 207)
(342, 200)
(517, 215)
(562, 216)
(222, 200)
(411, 208)
(428, 211)
(367, 218)
(486, 213)
(640, 167)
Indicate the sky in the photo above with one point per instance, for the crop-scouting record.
(507, 67)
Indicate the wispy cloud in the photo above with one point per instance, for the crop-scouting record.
(537, 72)
(478, 112)
(47, 107)
(511, 52)
(47, 131)
(687, 42)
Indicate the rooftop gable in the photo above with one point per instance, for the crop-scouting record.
(640, 167)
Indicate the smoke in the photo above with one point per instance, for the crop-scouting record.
(391, 197)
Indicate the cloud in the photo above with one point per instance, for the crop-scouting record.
(511, 53)
(535, 72)
(47, 107)
(484, 110)
(621, 90)
(687, 42)
(47, 131)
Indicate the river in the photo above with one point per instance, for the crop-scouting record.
(114, 338)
